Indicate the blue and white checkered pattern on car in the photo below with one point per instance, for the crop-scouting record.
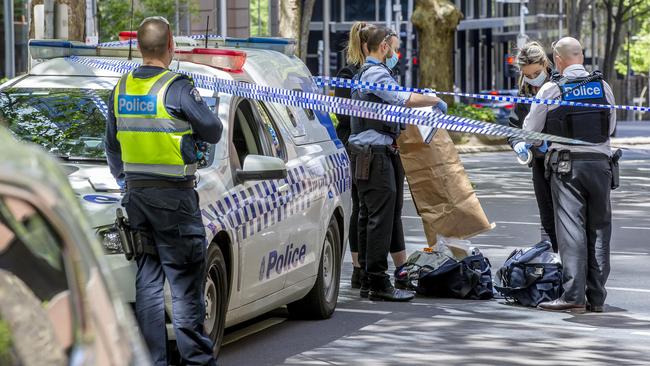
(250, 210)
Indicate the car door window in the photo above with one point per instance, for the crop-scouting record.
(254, 132)
(271, 131)
(31, 256)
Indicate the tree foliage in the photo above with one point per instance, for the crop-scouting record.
(618, 14)
(259, 25)
(639, 53)
(114, 15)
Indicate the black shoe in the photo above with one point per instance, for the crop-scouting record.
(364, 291)
(401, 279)
(595, 308)
(390, 293)
(356, 277)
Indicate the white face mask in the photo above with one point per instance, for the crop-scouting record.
(538, 81)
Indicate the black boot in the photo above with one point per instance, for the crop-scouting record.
(386, 292)
(356, 277)
(364, 284)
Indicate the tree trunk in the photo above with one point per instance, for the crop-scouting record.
(577, 11)
(609, 14)
(295, 17)
(436, 22)
(76, 19)
(441, 191)
(307, 9)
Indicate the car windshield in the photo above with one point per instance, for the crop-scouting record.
(69, 123)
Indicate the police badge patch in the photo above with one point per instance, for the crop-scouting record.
(197, 96)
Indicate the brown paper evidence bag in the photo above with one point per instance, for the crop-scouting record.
(441, 191)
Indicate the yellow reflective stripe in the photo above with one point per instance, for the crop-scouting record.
(161, 169)
(152, 124)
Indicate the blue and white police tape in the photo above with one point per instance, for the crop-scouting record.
(349, 83)
(326, 103)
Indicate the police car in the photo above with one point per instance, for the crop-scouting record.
(274, 192)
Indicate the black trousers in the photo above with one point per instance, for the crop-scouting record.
(544, 198)
(397, 243)
(381, 199)
(172, 215)
(583, 220)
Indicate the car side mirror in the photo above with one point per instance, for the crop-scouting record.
(259, 167)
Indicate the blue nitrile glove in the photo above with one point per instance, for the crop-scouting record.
(521, 147)
(121, 183)
(442, 106)
(543, 148)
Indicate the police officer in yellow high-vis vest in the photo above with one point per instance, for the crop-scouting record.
(156, 118)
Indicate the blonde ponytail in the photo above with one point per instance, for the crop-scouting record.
(354, 49)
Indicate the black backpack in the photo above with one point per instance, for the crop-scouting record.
(440, 275)
(531, 276)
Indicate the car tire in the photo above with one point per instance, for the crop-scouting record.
(216, 296)
(320, 302)
(29, 327)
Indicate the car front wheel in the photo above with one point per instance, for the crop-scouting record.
(320, 302)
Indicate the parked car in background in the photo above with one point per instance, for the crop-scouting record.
(501, 109)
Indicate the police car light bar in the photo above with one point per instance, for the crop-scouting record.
(126, 35)
(227, 60)
(283, 45)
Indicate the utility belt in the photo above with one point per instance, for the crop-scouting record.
(560, 162)
(160, 183)
(363, 155)
(135, 243)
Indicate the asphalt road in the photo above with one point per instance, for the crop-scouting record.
(455, 332)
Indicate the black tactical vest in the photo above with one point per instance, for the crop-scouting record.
(588, 124)
(359, 124)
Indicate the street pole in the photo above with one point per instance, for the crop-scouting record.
(389, 13)
(628, 74)
(409, 45)
(593, 35)
(561, 18)
(326, 38)
(10, 62)
(522, 38)
(224, 19)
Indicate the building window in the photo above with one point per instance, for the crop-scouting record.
(360, 10)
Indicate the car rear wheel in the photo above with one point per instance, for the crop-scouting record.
(320, 302)
(216, 296)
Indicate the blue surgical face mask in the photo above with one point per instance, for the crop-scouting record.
(392, 61)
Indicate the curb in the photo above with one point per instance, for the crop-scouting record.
(473, 149)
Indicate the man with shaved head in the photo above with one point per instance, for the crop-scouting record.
(581, 175)
(151, 135)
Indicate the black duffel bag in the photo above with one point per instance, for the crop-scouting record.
(531, 276)
(438, 274)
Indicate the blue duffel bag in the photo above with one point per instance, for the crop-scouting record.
(531, 276)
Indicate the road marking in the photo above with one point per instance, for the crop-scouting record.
(518, 223)
(635, 228)
(363, 311)
(628, 289)
(647, 334)
(630, 253)
(515, 323)
(251, 329)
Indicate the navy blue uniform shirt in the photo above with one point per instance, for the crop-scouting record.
(181, 102)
